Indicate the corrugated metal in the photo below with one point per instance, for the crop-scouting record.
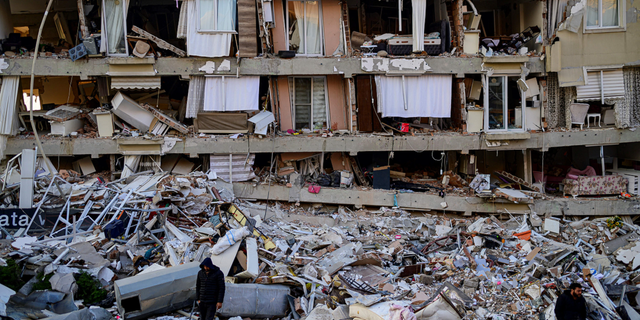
(612, 85)
(135, 82)
(247, 31)
(241, 166)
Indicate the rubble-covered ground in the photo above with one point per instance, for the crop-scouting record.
(131, 248)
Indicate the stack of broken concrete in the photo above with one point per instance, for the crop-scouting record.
(139, 242)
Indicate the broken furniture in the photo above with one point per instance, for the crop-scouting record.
(595, 185)
(593, 116)
(578, 113)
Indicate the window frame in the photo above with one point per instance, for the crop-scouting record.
(293, 102)
(215, 5)
(505, 107)
(286, 28)
(124, 29)
(622, 20)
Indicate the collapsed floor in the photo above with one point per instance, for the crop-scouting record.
(131, 248)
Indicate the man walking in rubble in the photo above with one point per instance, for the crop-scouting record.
(209, 289)
(571, 304)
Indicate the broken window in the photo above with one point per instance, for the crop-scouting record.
(602, 14)
(601, 85)
(114, 13)
(216, 15)
(504, 100)
(305, 27)
(309, 97)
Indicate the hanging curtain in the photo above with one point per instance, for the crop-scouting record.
(8, 105)
(207, 16)
(424, 96)
(610, 13)
(592, 13)
(114, 13)
(195, 98)
(312, 26)
(296, 26)
(419, 9)
(232, 94)
(226, 15)
(182, 32)
(204, 44)
(130, 166)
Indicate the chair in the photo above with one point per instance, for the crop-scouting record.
(578, 113)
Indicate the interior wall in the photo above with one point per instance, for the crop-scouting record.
(49, 32)
(5, 19)
(337, 106)
(286, 120)
(54, 89)
(331, 12)
(280, 31)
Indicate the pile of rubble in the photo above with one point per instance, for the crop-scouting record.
(132, 248)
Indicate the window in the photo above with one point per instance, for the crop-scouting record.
(309, 100)
(36, 100)
(604, 15)
(304, 21)
(601, 85)
(216, 15)
(504, 101)
(114, 17)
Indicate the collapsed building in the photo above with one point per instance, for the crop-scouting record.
(468, 108)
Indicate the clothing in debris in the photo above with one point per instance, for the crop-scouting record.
(210, 285)
(568, 308)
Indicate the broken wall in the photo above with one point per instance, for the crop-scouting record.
(600, 48)
(54, 89)
(559, 99)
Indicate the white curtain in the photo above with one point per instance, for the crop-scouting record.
(592, 13)
(419, 8)
(207, 15)
(8, 105)
(204, 44)
(113, 22)
(182, 32)
(195, 98)
(312, 26)
(232, 94)
(226, 15)
(422, 96)
(610, 13)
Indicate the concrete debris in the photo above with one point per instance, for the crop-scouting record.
(139, 240)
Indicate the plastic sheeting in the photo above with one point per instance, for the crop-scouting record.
(232, 94)
(409, 97)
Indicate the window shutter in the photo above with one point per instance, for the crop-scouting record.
(613, 83)
(319, 101)
(591, 90)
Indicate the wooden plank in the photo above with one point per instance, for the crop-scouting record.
(165, 119)
(247, 32)
(363, 99)
(161, 43)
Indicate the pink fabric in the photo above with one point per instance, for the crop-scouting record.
(595, 185)
(574, 173)
(398, 312)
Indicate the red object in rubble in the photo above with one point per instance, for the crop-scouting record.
(404, 127)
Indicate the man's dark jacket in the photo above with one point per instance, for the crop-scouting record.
(568, 308)
(210, 285)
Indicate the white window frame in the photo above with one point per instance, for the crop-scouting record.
(124, 30)
(293, 102)
(622, 20)
(505, 106)
(215, 5)
(286, 28)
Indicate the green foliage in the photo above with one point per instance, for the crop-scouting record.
(43, 282)
(10, 275)
(89, 289)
